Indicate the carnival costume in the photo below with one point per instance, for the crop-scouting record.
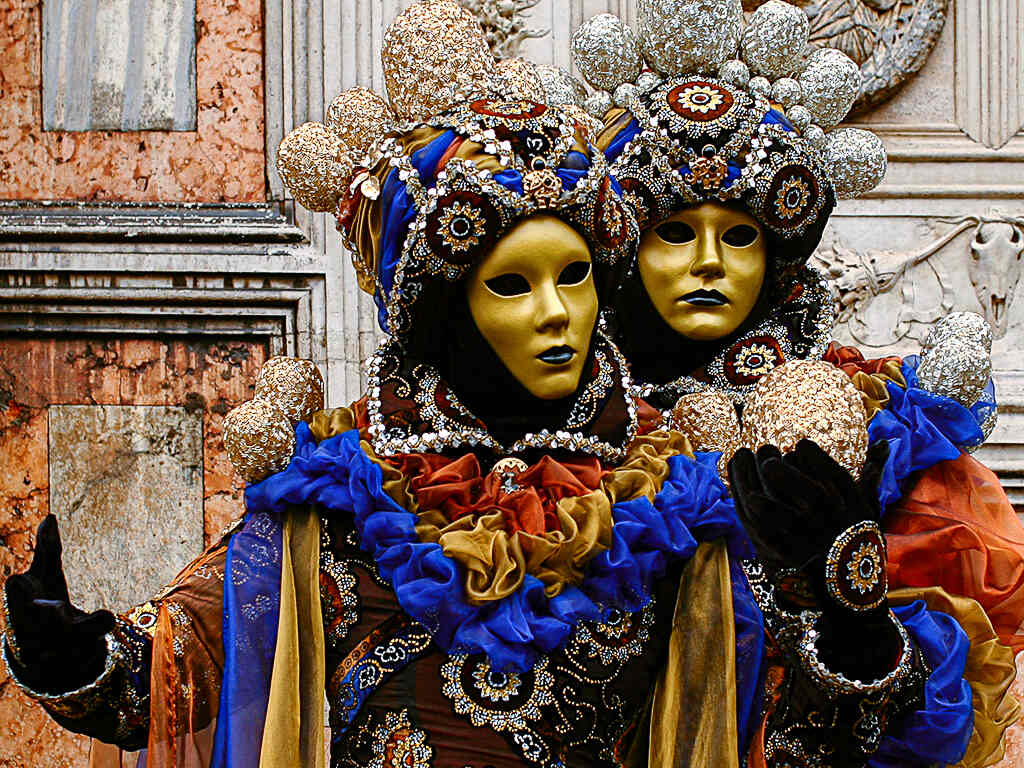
(741, 112)
(474, 576)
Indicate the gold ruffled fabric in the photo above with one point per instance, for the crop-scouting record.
(693, 715)
(294, 733)
(872, 386)
(990, 672)
(332, 422)
(497, 562)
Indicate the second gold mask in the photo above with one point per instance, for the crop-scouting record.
(703, 269)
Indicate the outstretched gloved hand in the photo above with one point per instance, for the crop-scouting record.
(57, 646)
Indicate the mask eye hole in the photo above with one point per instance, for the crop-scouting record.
(575, 273)
(740, 236)
(676, 232)
(510, 284)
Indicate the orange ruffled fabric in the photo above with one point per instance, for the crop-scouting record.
(955, 529)
(556, 522)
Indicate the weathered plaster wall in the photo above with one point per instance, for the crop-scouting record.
(223, 160)
(201, 380)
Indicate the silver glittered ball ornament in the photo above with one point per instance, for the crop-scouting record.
(830, 85)
(786, 91)
(648, 81)
(625, 94)
(681, 37)
(856, 161)
(735, 72)
(815, 136)
(774, 38)
(760, 86)
(606, 52)
(799, 117)
(988, 426)
(956, 369)
(559, 86)
(598, 104)
(969, 327)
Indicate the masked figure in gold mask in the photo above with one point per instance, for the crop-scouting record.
(479, 560)
(733, 178)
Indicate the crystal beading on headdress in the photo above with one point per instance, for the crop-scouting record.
(728, 110)
(423, 187)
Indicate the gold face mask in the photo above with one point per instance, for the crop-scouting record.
(534, 301)
(703, 269)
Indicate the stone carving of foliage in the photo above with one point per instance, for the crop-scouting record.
(889, 39)
(504, 23)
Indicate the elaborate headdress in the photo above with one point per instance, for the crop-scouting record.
(424, 187)
(731, 111)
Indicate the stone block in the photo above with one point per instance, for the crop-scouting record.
(119, 65)
(126, 485)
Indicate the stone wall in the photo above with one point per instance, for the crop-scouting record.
(221, 159)
(121, 440)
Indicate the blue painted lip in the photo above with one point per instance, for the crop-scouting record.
(703, 298)
(557, 355)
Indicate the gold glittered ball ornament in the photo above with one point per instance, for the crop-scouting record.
(808, 399)
(293, 386)
(259, 440)
(516, 79)
(435, 55)
(315, 166)
(359, 117)
(710, 423)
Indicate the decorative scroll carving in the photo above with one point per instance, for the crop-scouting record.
(504, 22)
(862, 278)
(889, 39)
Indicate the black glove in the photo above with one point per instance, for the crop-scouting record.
(58, 647)
(799, 510)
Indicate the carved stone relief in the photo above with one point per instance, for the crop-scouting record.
(886, 297)
(504, 22)
(890, 39)
(989, 40)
